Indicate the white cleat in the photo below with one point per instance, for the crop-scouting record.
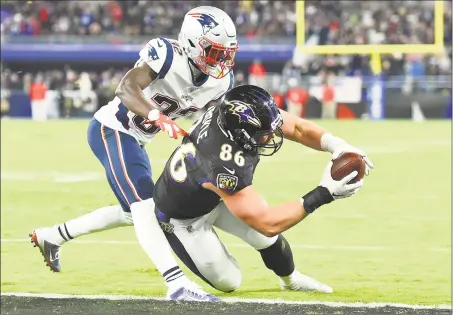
(299, 282)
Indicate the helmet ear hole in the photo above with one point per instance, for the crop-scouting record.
(191, 43)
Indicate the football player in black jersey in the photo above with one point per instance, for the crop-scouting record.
(207, 183)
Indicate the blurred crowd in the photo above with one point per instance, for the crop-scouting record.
(375, 22)
(139, 17)
(330, 22)
(337, 22)
(66, 79)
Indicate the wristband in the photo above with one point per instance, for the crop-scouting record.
(316, 198)
(154, 115)
(330, 143)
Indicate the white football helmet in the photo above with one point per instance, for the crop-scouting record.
(208, 36)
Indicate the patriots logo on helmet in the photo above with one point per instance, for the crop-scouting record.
(207, 21)
(244, 112)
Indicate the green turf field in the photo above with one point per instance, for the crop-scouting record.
(389, 243)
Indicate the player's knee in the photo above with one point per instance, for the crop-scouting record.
(145, 187)
(224, 277)
(229, 280)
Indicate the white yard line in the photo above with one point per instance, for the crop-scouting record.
(58, 177)
(371, 216)
(228, 300)
(329, 215)
(236, 245)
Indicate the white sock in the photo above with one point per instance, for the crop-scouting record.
(155, 244)
(287, 279)
(99, 220)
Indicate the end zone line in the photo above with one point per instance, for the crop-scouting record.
(229, 300)
(236, 245)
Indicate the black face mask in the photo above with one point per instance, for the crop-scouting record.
(265, 143)
(269, 143)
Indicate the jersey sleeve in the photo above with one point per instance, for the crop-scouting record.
(229, 177)
(158, 54)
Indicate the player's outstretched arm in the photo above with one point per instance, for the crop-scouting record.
(302, 131)
(314, 136)
(130, 89)
(249, 206)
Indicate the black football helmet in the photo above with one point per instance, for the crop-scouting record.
(249, 117)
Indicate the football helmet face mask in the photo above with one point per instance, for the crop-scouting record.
(249, 117)
(208, 36)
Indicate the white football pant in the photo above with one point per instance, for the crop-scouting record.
(202, 248)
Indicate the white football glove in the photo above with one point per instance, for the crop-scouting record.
(340, 189)
(346, 147)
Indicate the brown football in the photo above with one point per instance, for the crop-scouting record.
(347, 163)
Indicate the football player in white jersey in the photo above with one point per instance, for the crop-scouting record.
(171, 79)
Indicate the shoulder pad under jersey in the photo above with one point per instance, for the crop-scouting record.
(158, 54)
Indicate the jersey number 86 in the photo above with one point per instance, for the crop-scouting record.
(178, 169)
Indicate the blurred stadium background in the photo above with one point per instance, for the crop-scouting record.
(80, 50)
(391, 61)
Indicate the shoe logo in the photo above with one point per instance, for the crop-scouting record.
(195, 296)
(56, 257)
(159, 44)
(230, 171)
